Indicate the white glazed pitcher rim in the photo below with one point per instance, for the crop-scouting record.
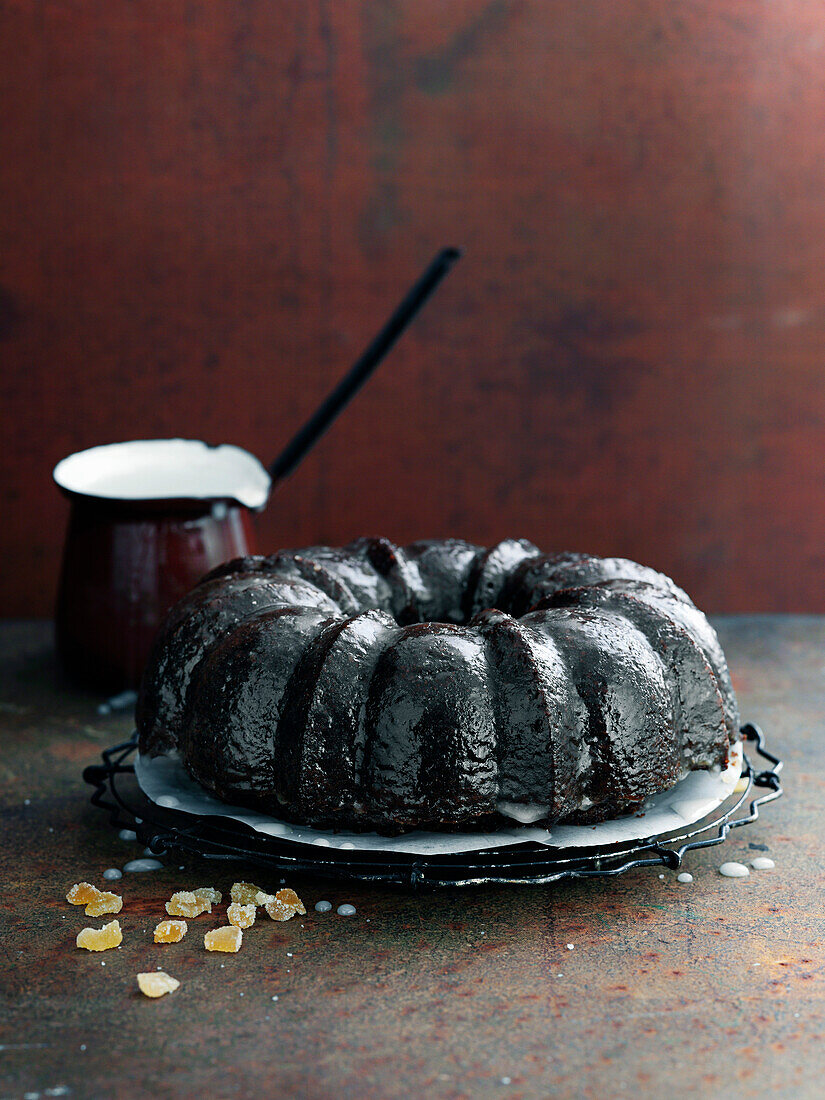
(165, 469)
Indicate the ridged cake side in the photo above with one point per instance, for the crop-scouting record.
(437, 685)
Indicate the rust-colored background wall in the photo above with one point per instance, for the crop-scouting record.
(206, 209)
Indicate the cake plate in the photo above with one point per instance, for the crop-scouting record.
(166, 830)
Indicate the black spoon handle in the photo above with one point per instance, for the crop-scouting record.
(354, 379)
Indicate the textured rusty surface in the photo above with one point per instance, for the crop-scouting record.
(704, 990)
(206, 209)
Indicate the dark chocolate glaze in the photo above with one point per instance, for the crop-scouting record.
(437, 685)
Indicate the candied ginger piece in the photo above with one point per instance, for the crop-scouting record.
(100, 939)
(187, 904)
(280, 906)
(226, 938)
(157, 982)
(289, 897)
(244, 892)
(241, 915)
(82, 893)
(209, 893)
(104, 903)
(171, 931)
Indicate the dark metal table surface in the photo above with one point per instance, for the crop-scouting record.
(709, 989)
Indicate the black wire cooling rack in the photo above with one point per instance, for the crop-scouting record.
(165, 831)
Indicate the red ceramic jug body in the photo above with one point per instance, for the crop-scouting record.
(123, 569)
(127, 561)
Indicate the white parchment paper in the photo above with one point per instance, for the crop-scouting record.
(165, 781)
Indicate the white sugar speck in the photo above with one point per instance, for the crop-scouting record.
(505, 1080)
(570, 946)
(734, 870)
(662, 877)
(82, 1046)
(289, 954)
(346, 910)
(685, 876)
(275, 998)
(323, 906)
(762, 863)
(112, 873)
(27, 802)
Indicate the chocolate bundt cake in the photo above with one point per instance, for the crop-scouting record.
(437, 685)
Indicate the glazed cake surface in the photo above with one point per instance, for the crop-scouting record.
(438, 685)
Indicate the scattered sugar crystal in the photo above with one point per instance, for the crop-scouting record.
(762, 863)
(127, 834)
(734, 870)
(346, 910)
(241, 915)
(244, 892)
(323, 906)
(662, 877)
(103, 904)
(155, 983)
(171, 931)
(112, 874)
(226, 938)
(27, 802)
(142, 865)
(185, 903)
(100, 939)
(570, 946)
(275, 998)
(685, 876)
(505, 1080)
